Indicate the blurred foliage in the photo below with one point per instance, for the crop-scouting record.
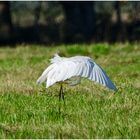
(46, 22)
(54, 9)
(49, 11)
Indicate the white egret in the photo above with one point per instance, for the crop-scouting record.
(70, 71)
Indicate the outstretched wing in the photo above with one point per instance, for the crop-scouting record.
(98, 75)
(60, 71)
(89, 69)
(67, 68)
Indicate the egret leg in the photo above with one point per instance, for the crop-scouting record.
(60, 92)
(63, 95)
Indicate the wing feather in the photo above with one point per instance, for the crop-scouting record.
(99, 76)
(62, 69)
(43, 77)
(61, 72)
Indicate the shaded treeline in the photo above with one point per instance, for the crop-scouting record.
(68, 22)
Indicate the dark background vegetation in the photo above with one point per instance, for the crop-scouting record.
(69, 22)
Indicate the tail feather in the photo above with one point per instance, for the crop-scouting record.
(41, 79)
(44, 75)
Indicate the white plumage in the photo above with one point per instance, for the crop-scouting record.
(70, 70)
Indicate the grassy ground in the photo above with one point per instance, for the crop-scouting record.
(91, 111)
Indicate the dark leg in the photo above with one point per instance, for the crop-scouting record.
(60, 96)
(63, 95)
(60, 93)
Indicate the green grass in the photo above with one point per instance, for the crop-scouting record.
(91, 111)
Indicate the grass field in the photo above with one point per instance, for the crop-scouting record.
(91, 111)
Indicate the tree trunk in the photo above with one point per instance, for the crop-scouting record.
(120, 29)
(79, 21)
(5, 21)
(37, 11)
